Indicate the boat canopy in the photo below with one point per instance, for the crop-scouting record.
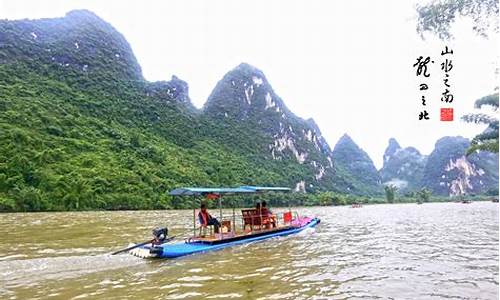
(195, 191)
(247, 189)
(265, 188)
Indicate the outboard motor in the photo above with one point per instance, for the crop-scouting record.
(160, 234)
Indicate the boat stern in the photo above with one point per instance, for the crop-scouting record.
(147, 251)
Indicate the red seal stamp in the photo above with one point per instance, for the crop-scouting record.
(446, 114)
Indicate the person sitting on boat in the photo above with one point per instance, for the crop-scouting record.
(206, 219)
(268, 214)
(258, 213)
(264, 210)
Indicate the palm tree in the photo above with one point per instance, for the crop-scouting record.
(488, 139)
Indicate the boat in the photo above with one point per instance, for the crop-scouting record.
(235, 229)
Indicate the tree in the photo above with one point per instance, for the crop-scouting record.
(438, 16)
(325, 198)
(390, 191)
(488, 139)
(7, 204)
(338, 199)
(424, 195)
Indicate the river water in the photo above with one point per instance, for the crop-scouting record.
(400, 251)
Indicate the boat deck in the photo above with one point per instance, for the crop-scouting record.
(230, 236)
(167, 250)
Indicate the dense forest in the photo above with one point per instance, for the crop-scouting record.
(81, 128)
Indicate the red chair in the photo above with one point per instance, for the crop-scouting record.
(287, 217)
(252, 218)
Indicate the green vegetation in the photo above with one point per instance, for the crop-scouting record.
(488, 140)
(448, 167)
(424, 195)
(403, 167)
(390, 192)
(338, 199)
(63, 148)
(438, 16)
(354, 169)
(80, 128)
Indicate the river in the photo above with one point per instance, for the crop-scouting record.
(399, 251)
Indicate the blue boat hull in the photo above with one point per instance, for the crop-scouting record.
(182, 249)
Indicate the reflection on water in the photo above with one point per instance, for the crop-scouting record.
(405, 251)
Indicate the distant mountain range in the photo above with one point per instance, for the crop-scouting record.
(446, 171)
(81, 128)
(403, 168)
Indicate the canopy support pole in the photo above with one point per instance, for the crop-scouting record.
(220, 212)
(289, 208)
(220, 208)
(234, 218)
(260, 213)
(194, 216)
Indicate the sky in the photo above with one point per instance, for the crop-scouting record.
(346, 64)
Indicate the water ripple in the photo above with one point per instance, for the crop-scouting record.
(431, 251)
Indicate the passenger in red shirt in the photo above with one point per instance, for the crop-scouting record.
(206, 219)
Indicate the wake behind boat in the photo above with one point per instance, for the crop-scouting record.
(228, 230)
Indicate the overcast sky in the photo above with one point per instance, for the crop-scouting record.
(347, 64)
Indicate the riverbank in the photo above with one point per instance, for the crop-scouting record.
(278, 200)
